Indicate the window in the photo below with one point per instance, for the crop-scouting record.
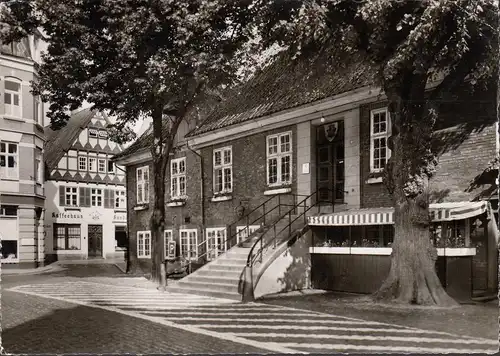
(92, 164)
(71, 196)
(8, 160)
(38, 166)
(101, 165)
(67, 237)
(120, 201)
(93, 133)
(38, 114)
(168, 237)
(216, 242)
(143, 244)
(111, 167)
(96, 197)
(143, 185)
(243, 233)
(189, 244)
(279, 159)
(223, 171)
(82, 163)
(12, 98)
(109, 198)
(178, 177)
(103, 134)
(379, 133)
(8, 210)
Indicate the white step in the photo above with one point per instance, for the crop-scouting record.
(205, 292)
(217, 287)
(213, 279)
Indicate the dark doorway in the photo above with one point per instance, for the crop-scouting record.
(95, 240)
(330, 162)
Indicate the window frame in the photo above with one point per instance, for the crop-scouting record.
(12, 93)
(211, 255)
(81, 159)
(376, 136)
(89, 165)
(176, 177)
(14, 171)
(66, 236)
(96, 195)
(141, 235)
(144, 198)
(120, 196)
(222, 166)
(99, 161)
(38, 166)
(72, 195)
(38, 111)
(110, 162)
(166, 232)
(279, 155)
(93, 130)
(189, 248)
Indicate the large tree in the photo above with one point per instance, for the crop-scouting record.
(410, 43)
(135, 58)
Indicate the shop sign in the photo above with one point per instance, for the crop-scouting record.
(67, 216)
(120, 217)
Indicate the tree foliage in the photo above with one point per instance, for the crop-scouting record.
(135, 58)
(411, 44)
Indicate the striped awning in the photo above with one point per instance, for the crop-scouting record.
(380, 216)
(385, 216)
(457, 211)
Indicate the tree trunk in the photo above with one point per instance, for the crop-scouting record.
(131, 258)
(158, 218)
(412, 277)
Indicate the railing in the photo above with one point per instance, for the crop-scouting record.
(265, 216)
(252, 257)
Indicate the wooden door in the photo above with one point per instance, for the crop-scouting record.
(330, 164)
(95, 240)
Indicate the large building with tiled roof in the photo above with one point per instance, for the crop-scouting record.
(316, 127)
(86, 195)
(22, 140)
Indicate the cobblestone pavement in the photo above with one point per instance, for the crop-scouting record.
(249, 327)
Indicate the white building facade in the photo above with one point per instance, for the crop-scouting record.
(86, 195)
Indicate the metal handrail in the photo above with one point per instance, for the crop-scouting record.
(233, 236)
(251, 257)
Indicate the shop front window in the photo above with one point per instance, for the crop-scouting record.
(355, 236)
(450, 234)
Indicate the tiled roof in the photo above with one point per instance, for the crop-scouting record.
(59, 141)
(289, 83)
(284, 84)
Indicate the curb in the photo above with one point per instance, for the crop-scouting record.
(7, 272)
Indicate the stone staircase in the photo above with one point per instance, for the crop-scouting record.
(219, 278)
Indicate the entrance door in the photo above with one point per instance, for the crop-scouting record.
(95, 240)
(330, 162)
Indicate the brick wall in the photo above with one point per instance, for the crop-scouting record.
(249, 184)
(464, 141)
(249, 178)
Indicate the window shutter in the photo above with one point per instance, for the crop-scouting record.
(82, 196)
(111, 199)
(62, 200)
(87, 197)
(106, 199)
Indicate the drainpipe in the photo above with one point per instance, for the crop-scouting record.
(202, 199)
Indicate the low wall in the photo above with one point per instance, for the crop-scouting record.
(289, 271)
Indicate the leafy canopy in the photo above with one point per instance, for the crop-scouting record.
(132, 57)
